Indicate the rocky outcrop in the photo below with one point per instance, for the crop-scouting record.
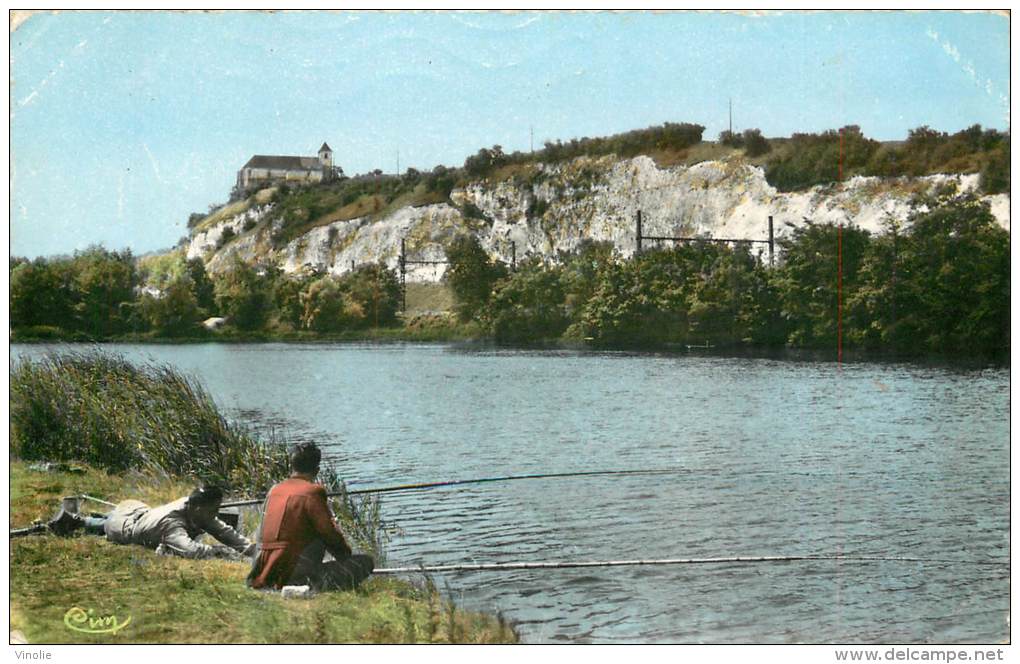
(555, 207)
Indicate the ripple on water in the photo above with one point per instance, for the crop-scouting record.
(784, 457)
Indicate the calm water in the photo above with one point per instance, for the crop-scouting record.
(781, 458)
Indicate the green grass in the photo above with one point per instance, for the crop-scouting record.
(174, 600)
(222, 214)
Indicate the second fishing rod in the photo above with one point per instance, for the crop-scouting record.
(421, 486)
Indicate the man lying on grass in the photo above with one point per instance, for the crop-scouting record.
(297, 530)
(170, 529)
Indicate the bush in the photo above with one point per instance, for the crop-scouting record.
(105, 287)
(731, 139)
(813, 159)
(226, 236)
(244, 296)
(175, 312)
(376, 291)
(528, 305)
(42, 294)
(327, 308)
(100, 409)
(995, 171)
(471, 275)
(755, 144)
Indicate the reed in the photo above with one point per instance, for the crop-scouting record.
(103, 410)
(360, 517)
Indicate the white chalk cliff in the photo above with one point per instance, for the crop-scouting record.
(593, 198)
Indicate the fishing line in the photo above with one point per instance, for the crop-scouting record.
(498, 567)
(506, 478)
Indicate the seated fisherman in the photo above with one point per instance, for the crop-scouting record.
(297, 530)
(170, 528)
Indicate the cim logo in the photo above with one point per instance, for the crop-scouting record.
(80, 620)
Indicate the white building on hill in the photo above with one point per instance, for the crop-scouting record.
(265, 169)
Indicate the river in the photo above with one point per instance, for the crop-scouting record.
(778, 457)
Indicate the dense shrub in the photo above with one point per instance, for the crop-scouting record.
(812, 159)
(244, 296)
(807, 279)
(174, 312)
(471, 275)
(943, 286)
(104, 282)
(528, 305)
(375, 289)
(755, 144)
(328, 308)
(42, 293)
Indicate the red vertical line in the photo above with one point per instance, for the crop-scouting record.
(839, 294)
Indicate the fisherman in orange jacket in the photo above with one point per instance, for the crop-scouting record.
(297, 530)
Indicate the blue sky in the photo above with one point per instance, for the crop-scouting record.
(123, 123)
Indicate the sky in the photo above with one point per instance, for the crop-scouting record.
(123, 123)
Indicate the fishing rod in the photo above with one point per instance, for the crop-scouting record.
(505, 478)
(499, 567)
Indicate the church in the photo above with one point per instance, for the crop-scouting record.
(267, 169)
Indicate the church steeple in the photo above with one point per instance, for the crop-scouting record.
(326, 156)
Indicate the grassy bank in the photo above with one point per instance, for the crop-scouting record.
(173, 600)
(148, 432)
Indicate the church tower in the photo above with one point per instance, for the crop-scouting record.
(326, 157)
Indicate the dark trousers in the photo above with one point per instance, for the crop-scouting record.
(346, 574)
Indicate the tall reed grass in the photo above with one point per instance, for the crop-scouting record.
(100, 409)
(360, 517)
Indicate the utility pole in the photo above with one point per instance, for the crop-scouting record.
(532, 139)
(638, 248)
(403, 276)
(772, 244)
(398, 163)
(731, 117)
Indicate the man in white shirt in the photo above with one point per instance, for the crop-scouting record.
(171, 528)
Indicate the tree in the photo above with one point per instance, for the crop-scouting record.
(485, 161)
(175, 312)
(755, 144)
(327, 308)
(244, 296)
(995, 170)
(376, 290)
(807, 279)
(581, 272)
(287, 299)
(733, 140)
(955, 266)
(528, 305)
(642, 301)
(105, 283)
(201, 286)
(471, 275)
(41, 293)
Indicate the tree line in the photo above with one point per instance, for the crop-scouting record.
(936, 284)
(102, 294)
(939, 285)
(816, 159)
